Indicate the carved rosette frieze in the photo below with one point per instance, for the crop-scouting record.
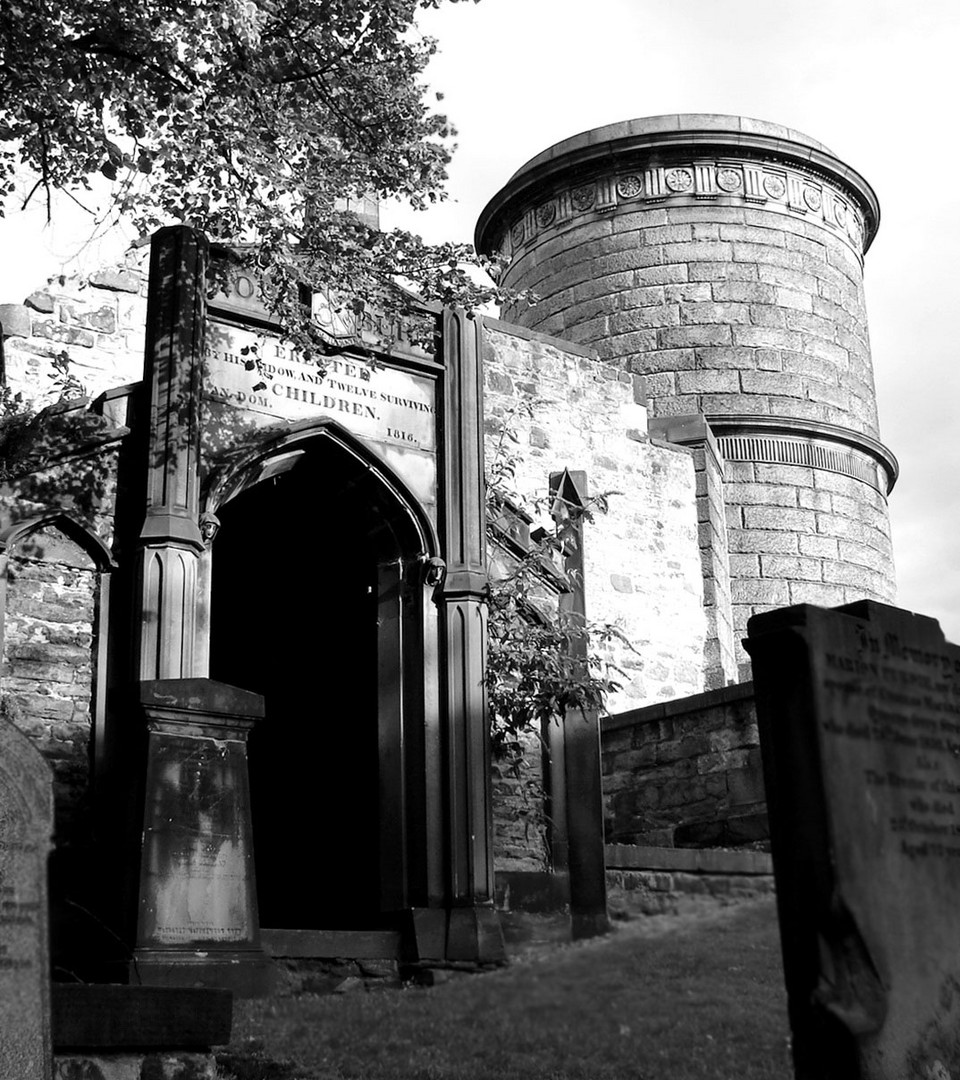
(782, 189)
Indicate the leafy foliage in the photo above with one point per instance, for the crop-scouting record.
(260, 122)
(534, 672)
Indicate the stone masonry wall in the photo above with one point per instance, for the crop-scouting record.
(803, 536)
(560, 408)
(97, 321)
(519, 820)
(49, 649)
(685, 773)
(725, 309)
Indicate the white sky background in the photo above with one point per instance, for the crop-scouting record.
(876, 81)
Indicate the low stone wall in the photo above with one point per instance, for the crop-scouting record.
(685, 773)
(655, 881)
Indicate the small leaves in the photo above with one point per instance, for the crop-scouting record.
(282, 122)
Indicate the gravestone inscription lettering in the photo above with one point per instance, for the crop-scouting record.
(859, 714)
(26, 823)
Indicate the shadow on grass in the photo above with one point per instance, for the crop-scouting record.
(664, 998)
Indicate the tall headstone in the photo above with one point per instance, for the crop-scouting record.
(26, 824)
(859, 713)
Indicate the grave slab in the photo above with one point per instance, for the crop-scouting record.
(26, 824)
(859, 715)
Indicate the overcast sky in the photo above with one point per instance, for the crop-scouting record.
(875, 81)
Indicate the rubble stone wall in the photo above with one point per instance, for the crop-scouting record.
(552, 407)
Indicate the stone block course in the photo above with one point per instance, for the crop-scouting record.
(661, 275)
(764, 541)
(771, 382)
(814, 500)
(693, 313)
(754, 234)
(790, 568)
(826, 595)
(699, 251)
(709, 214)
(744, 292)
(757, 494)
(642, 317)
(723, 271)
(763, 517)
(767, 315)
(707, 382)
(765, 593)
(687, 337)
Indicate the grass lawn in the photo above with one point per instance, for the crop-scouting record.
(663, 998)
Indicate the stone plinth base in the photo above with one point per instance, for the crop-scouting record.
(135, 1066)
(248, 973)
(470, 934)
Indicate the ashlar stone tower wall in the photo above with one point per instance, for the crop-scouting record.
(722, 259)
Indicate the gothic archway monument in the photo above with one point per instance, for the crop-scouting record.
(304, 592)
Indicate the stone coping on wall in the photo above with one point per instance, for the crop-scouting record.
(678, 706)
(686, 860)
(547, 339)
(685, 157)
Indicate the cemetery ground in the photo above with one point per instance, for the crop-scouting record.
(669, 997)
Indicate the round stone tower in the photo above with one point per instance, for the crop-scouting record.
(722, 259)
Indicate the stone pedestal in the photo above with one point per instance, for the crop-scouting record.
(197, 920)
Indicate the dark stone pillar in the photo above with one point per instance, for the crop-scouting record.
(581, 763)
(197, 919)
(473, 930)
(170, 544)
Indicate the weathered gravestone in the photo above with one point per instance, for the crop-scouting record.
(26, 820)
(859, 713)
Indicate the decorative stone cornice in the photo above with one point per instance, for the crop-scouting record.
(808, 443)
(676, 161)
(786, 440)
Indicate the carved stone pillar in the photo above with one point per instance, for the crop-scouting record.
(473, 930)
(170, 544)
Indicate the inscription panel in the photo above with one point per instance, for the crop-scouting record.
(197, 877)
(859, 712)
(906, 729)
(260, 374)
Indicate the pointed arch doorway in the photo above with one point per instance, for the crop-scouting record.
(317, 602)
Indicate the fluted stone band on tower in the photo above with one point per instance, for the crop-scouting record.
(722, 258)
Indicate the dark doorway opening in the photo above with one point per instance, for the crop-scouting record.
(294, 616)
